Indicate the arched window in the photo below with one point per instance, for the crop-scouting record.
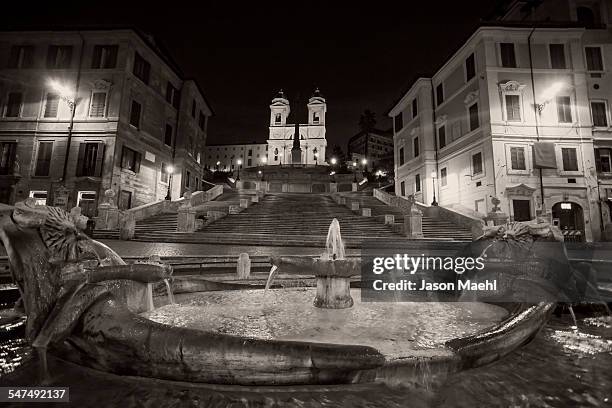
(585, 16)
(275, 151)
(277, 118)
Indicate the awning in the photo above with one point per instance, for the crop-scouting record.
(544, 155)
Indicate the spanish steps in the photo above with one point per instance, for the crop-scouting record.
(287, 219)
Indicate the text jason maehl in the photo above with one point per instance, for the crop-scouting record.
(404, 284)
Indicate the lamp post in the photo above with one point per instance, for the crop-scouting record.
(354, 171)
(433, 182)
(170, 172)
(239, 166)
(314, 152)
(364, 162)
(218, 163)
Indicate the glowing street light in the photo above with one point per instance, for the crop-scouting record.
(170, 172)
(433, 182)
(264, 160)
(239, 166)
(334, 161)
(64, 93)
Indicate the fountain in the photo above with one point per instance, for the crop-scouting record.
(332, 271)
(84, 304)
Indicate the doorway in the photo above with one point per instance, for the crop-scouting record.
(125, 200)
(569, 217)
(521, 210)
(88, 203)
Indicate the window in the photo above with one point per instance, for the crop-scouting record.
(165, 176)
(439, 94)
(508, 58)
(277, 118)
(130, 159)
(443, 177)
(249, 162)
(585, 16)
(599, 113)
(193, 108)
(570, 159)
(403, 188)
(98, 105)
(473, 113)
(557, 56)
(91, 156)
(172, 95)
(13, 105)
(22, 56)
(7, 157)
(142, 68)
(168, 135)
(315, 117)
(188, 178)
(603, 160)
(398, 122)
(415, 108)
(135, 114)
(442, 136)
(517, 158)
(104, 57)
(43, 159)
(251, 152)
(401, 156)
(201, 121)
(51, 105)
(417, 183)
(59, 56)
(415, 146)
(564, 109)
(477, 163)
(594, 59)
(513, 108)
(470, 67)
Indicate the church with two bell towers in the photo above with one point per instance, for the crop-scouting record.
(297, 143)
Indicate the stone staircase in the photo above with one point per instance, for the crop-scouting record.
(290, 219)
(433, 228)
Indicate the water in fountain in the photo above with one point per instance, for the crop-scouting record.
(571, 310)
(270, 277)
(333, 244)
(169, 290)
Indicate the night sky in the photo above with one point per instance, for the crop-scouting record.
(361, 56)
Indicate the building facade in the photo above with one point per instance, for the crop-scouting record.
(374, 145)
(311, 135)
(87, 111)
(225, 157)
(519, 113)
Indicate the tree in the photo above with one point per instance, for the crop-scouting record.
(367, 121)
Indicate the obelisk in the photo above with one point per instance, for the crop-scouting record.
(296, 150)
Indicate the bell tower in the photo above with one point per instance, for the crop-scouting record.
(317, 107)
(279, 110)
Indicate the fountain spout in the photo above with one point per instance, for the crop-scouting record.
(333, 244)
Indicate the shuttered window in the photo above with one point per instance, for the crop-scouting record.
(130, 159)
(443, 177)
(51, 105)
(564, 109)
(142, 68)
(417, 183)
(168, 135)
(570, 159)
(477, 163)
(98, 105)
(508, 57)
(557, 56)
(442, 136)
(59, 56)
(513, 108)
(473, 116)
(90, 160)
(43, 159)
(517, 158)
(7, 157)
(104, 56)
(593, 58)
(135, 114)
(22, 56)
(600, 117)
(13, 105)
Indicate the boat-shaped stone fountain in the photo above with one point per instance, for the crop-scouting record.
(85, 305)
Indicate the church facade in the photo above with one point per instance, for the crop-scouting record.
(297, 144)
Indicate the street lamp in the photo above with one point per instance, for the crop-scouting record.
(170, 172)
(218, 163)
(239, 166)
(354, 171)
(314, 151)
(64, 93)
(334, 161)
(433, 182)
